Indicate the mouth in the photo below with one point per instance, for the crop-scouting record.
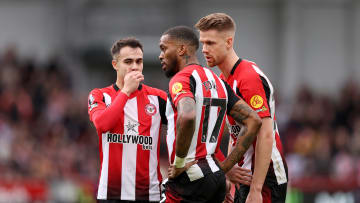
(163, 65)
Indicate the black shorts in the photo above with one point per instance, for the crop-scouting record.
(121, 201)
(210, 188)
(274, 193)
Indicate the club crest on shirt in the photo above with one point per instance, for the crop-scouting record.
(176, 88)
(209, 85)
(256, 101)
(150, 109)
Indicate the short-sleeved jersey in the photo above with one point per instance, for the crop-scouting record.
(252, 85)
(213, 98)
(129, 131)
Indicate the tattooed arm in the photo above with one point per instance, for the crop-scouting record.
(185, 127)
(243, 114)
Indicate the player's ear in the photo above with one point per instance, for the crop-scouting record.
(114, 62)
(181, 50)
(229, 42)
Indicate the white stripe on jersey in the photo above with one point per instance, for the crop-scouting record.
(248, 157)
(170, 136)
(128, 166)
(213, 115)
(234, 85)
(103, 182)
(154, 192)
(199, 103)
(278, 164)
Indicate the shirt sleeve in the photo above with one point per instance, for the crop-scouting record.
(256, 93)
(179, 87)
(232, 97)
(105, 118)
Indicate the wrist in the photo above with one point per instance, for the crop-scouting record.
(256, 187)
(125, 92)
(179, 162)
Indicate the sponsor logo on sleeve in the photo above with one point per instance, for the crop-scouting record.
(92, 103)
(176, 88)
(256, 101)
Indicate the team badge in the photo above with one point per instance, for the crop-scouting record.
(150, 109)
(256, 101)
(176, 88)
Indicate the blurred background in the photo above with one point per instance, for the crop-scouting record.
(54, 52)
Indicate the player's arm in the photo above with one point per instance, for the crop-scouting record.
(243, 114)
(185, 127)
(263, 152)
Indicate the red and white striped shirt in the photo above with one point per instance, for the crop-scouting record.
(252, 85)
(129, 131)
(213, 99)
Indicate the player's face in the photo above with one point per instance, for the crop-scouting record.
(214, 47)
(168, 56)
(129, 59)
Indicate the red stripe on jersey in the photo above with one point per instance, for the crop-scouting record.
(115, 164)
(201, 147)
(142, 156)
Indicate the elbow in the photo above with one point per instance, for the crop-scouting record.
(187, 119)
(98, 125)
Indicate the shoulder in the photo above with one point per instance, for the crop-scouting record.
(153, 91)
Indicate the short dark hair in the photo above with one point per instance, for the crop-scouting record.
(183, 33)
(216, 21)
(128, 41)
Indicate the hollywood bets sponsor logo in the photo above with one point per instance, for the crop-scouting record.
(145, 141)
(131, 137)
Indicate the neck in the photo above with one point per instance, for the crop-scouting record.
(119, 82)
(228, 63)
(186, 60)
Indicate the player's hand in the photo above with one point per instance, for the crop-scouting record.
(173, 172)
(238, 175)
(132, 81)
(228, 197)
(254, 197)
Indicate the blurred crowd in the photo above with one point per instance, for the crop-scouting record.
(45, 133)
(321, 136)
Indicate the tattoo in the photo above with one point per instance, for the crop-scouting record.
(187, 57)
(185, 125)
(241, 111)
(186, 105)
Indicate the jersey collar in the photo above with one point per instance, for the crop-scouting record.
(235, 66)
(116, 88)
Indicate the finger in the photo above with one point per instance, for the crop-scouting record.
(187, 165)
(244, 169)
